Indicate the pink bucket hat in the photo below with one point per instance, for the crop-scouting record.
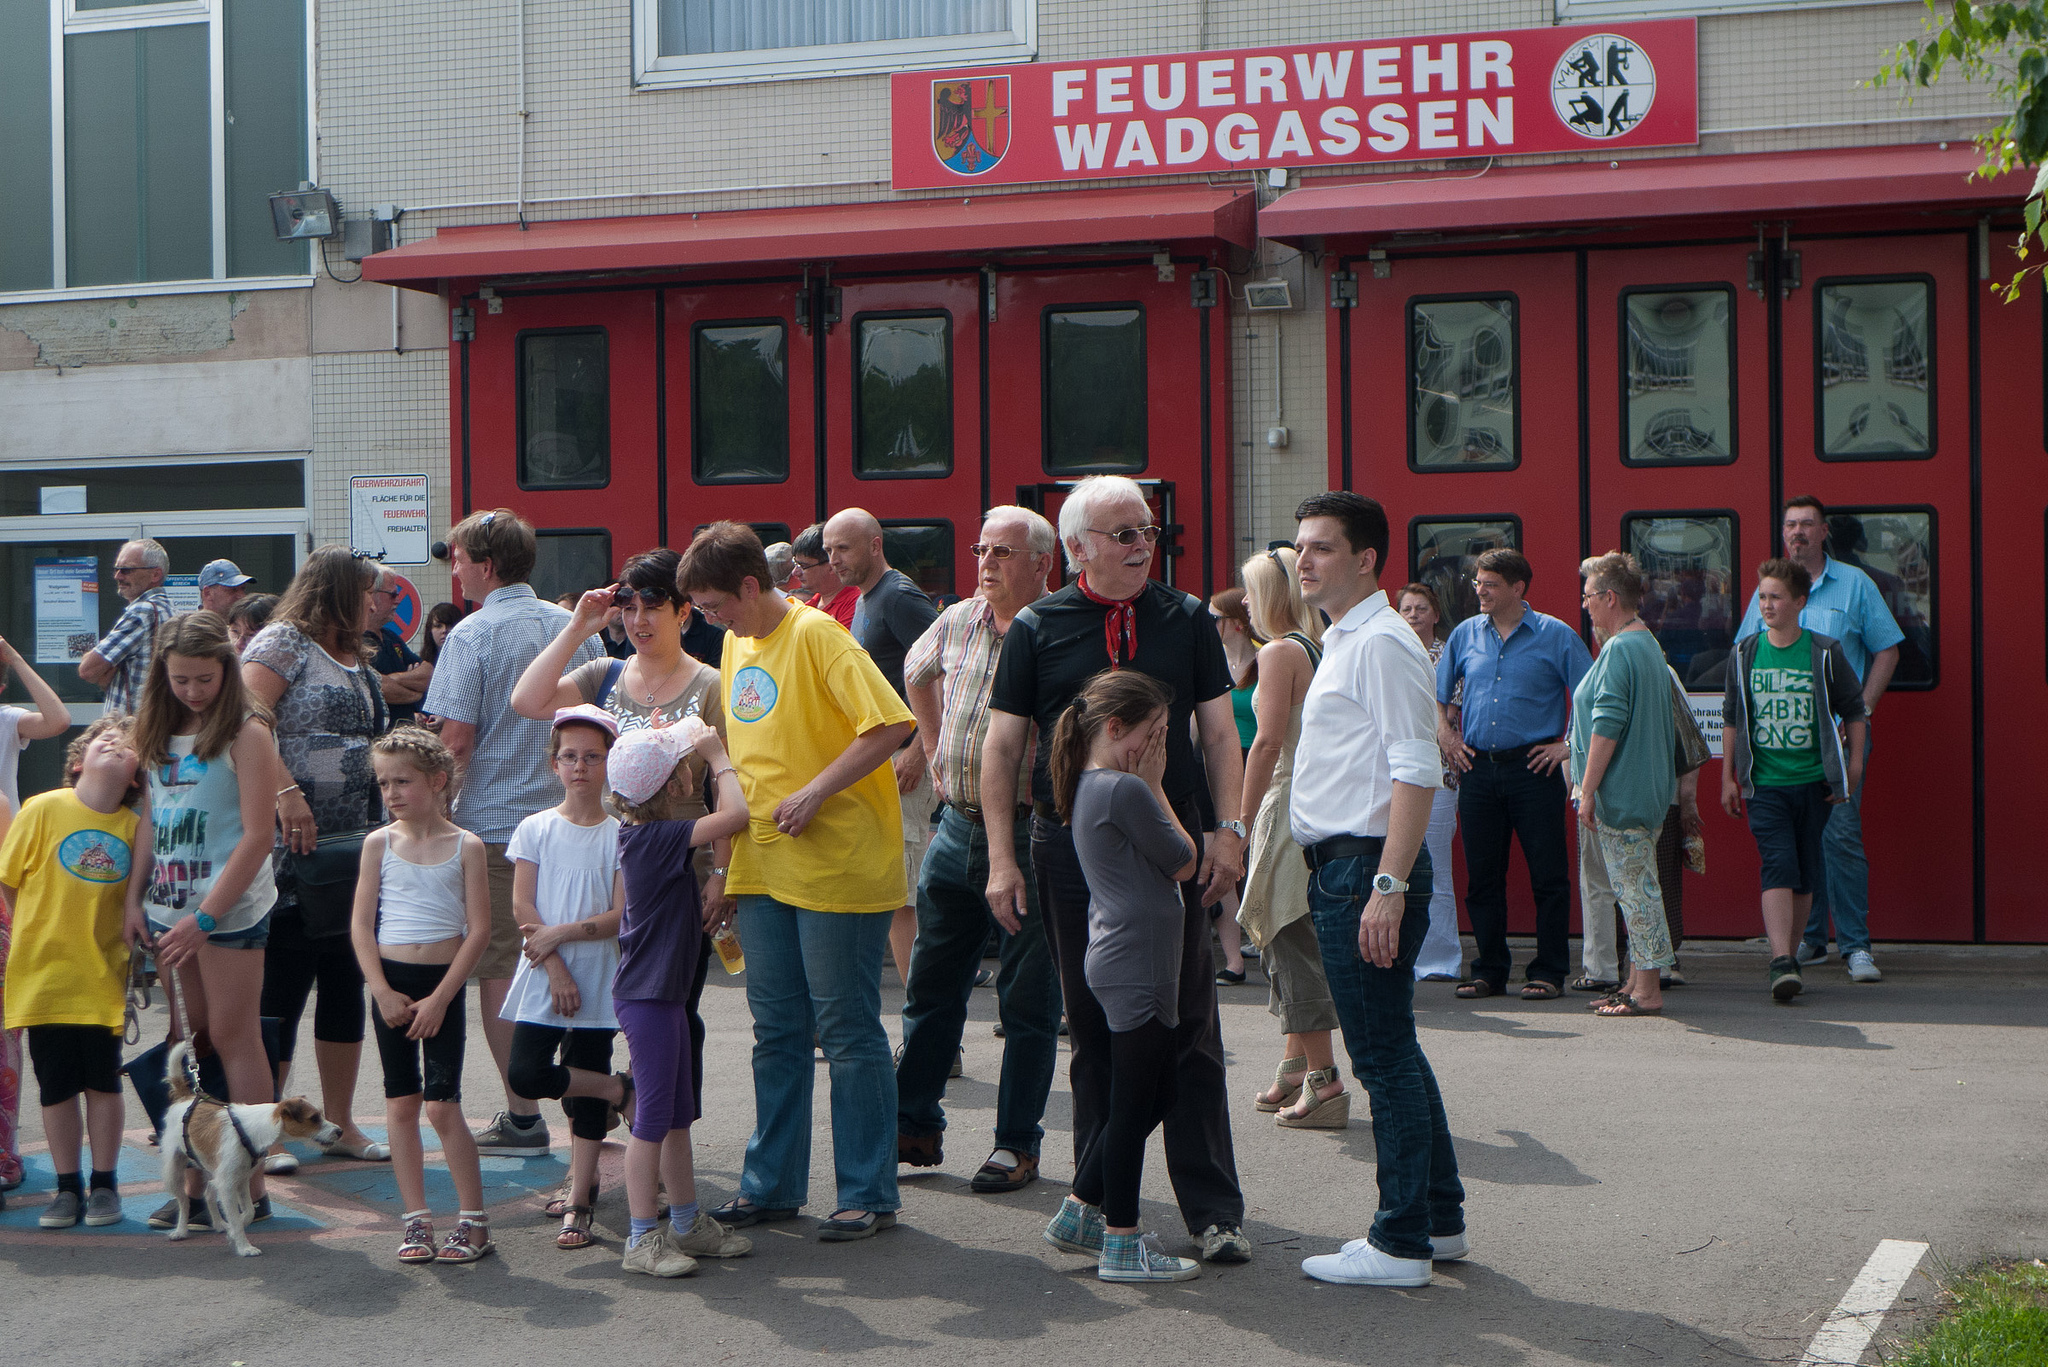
(641, 763)
(590, 715)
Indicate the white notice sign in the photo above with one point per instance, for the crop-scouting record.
(388, 517)
(1706, 710)
(67, 609)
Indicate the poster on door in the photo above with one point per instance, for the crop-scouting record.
(1706, 711)
(388, 518)
(67, 609)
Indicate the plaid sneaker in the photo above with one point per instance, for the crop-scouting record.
(1132, 1258)
(1077, 1228)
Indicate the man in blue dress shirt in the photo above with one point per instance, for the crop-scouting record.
(1846, 605)
(1518, 668)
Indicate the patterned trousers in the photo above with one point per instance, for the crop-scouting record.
(1631, 859)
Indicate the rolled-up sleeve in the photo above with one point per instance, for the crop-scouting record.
(1394, 685)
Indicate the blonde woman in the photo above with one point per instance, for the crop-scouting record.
(1307, 1092)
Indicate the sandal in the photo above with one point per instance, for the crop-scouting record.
(1325, 1113)
(1472, 989)
(1296, 1068)
(1622, 1004)
(564, 1201)
(865, 1225)
(418, 1244)
(1586, 982)
(739, 1212)
(576, 1233)
(1539, 990)
(460, 1246)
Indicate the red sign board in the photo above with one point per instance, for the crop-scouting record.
(1586, 89)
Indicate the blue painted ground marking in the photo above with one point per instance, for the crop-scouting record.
(374, 1185)
(140, 1174)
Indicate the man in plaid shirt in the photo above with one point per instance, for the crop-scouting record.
(947, 675)
(120, 662)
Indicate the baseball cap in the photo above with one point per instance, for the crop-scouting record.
(590, 714)
(642, 762)
(222, 574)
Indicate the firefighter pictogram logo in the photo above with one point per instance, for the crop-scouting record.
(1603, 86)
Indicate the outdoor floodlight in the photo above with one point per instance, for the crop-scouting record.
(304, 214)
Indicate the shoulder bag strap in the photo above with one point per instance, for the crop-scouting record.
(611, 679)
(1315, 652)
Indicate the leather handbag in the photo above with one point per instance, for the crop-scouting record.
(1692, 751)
(325, 883)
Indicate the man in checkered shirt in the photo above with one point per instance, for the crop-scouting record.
(120, 662)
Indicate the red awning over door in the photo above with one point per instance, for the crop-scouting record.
(1774, 183)
(832, 232)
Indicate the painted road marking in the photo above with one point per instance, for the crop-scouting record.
(1849, 1326)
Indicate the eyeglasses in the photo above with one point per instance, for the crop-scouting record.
(388, 593)
(1590, 594)
(653, 598)
(997, 552)
(130, 569)
(806, 566)
(1128, 536)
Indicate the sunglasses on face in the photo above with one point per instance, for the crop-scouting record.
(652, 598)
(1128, 536)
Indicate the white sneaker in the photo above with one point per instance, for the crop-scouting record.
(1443, 1248)
(1863, 968)
(1360, 1264)
(1807, 954)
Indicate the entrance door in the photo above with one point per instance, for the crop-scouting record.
(1877, 425)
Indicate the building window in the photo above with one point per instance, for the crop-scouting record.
(167, 127)
(902, 396)
(1462, 413)
(739, 403)
(1444, 554)
(570, 560)
(1095, 390)
(564, 409)
(1689, 602)
(1874, 368)
(712, 42)
(922, 550)
(1678, 376)
(1895, 547)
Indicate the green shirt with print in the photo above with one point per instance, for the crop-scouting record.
(1784, 729)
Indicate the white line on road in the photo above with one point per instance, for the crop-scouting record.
(1842, 1339)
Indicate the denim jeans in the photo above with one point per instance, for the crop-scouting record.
(952, 927)
(1844, 890)
(1496, 803)
(822, 971)
(1420, 1194)
(1199, 1157)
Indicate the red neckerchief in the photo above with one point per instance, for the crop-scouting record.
(1122, 619)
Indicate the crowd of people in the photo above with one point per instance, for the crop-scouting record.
(794, 749)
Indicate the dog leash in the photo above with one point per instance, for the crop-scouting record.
(137, 999)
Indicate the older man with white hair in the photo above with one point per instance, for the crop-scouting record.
(120, 662)
(947, 675)
(1115, 616)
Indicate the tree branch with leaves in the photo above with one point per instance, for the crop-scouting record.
(2005, 47)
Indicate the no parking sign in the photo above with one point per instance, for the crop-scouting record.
(407, 614)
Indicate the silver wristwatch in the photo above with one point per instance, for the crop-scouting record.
(1386, 885)
(1236, 828)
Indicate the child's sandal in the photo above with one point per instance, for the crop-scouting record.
(575, 1233)
(564, 1200)
(461, 1246)
(418, 1245)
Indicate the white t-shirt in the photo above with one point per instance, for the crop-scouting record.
(12, 743)
(576, 868)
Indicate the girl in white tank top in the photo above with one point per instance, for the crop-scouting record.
(422, 920)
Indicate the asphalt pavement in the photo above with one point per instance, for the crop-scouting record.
(1700, 1187)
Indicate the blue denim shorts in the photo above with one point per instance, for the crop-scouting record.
(251, 937)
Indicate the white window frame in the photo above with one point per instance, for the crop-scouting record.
(652, 71)
(1592, 11)
(67, 19)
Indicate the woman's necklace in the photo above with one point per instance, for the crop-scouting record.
(669, 678)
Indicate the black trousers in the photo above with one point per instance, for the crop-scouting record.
(1496, 803)
(294, 963)
(1141, 1093)
(533, 1072)
(1199, 1156)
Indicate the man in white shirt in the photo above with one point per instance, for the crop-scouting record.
(1360, 805)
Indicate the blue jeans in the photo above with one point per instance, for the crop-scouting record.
(1420, 1194)
(952, 927)
(1844, 888)
(818, 971)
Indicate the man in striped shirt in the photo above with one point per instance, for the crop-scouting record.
(947, 675)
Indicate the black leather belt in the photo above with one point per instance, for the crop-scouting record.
(1518, 755)
(1046, 811)
(976, 817)
(1340, 847)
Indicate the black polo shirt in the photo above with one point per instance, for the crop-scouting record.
(394, 656)
(1058, 643)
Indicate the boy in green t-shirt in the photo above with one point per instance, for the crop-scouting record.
(1786, 755)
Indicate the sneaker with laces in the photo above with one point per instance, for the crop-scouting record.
(1811, 954)
(709, 1239)
(1360, 1264)
(1863, 968)
(657, 1256)
(103, 1207)
(1785, 980)
(1225, 1244)
(503, 1139)
(62, 1212)
(1443, 1248)
(1134, 1258)
(165, 1216)
(1077, 1228)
